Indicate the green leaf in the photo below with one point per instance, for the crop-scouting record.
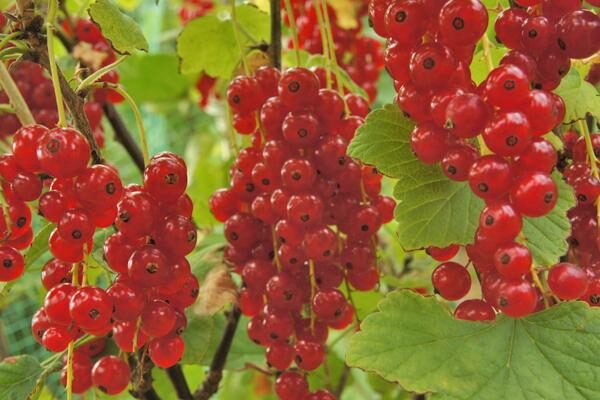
(580, 97)
(166, 84)
(198, 336)
(479, 66)
(432, 210)
(415, 341)
(208, 43)
(546, 236)
(39, 246)
(18, 377)
(123, 33)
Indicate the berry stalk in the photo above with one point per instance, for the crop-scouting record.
(15, 97)
(52, 9)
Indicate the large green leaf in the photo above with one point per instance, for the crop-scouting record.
(580, 97)
(414, 340)
(208, 43)
(546, 236)
(123, 33)
(165, 83)
(432, 210)
(18, 377)
(198, 337)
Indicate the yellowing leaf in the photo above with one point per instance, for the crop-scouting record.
(217, 290)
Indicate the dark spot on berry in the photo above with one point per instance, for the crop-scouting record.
(428, 63)
(536, 85)
(503, 301)
(342, 161)
(124, 216)
(304, 218)
(151, 268)
(482, 187)
(595, 298)
(94, 313)
(562, 44)
(171, 178)
(370, 22)
(296, 175)
(293, 260)
(327, 253)
(293, 86)
(338, 312)
(509, 84)
(400, 16)
(458, 23)
(548, 197)
(249, 187)
(512, 141)
(287, 295)
(110, 188)
(505, 259)
(7, 263)
(265, 181)
(298, 359)
(234, 236)
(191, 236)
(195, 292)
(76, 234)
(102, 389)
(53, 146)
(236, 99)
(302, 132)
(349, 265)
(582, 197)
(489, 220)
(451, 169)
(364, 228)
(21, 221)
(532, 33)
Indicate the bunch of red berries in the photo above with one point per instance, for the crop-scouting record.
(145, 304)
(360, 55)
(430, 47)
(38, 92)
(301, 217)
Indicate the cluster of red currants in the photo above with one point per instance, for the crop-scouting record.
(360, 55)
(430, 48)
(145, 303)
(38, 92)
(301, 217)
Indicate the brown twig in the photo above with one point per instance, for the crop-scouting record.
(177, 378)
(211, 383)
(123, 135)
(141, 377)
(342, 382)
(275, 45)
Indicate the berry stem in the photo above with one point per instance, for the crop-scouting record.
(60, 106)
(275, 47)
(292, 18)
(593, 160)
(275, 249)
(486, 46)
(324, 41)
(136, 112)
(15, 97)
(123, 135)
(313, 286)
(236, 34)
(8, 38)
(70, 350)
(98, 74)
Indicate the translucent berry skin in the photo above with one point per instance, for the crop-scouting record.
(430, 65)
(124, 333)
(52, 205)
(506, 87)
(12, 264)
(539, 156)
(463, 22)
(280, 356)
(534, 194)
(457, 162)
(111, 375)
(242, 95)
(309, 355)
(405, 22)
(567, 281)
(443, 253)
(291, 386)
(429, 143)
(475, 310)
(82, 373)
(451, 280)
(176, 236)
(329, 305)
(166, 351)
(56, 338)
(508, 27)
(490, 177)
(298, 88)
(508, 134)
(128, 301)
(165, 179)
(158, 319)
(578, 34)
(24, 147)
(75, 226)
(98, 187)
(148, 266)
(63, 152)
(466, 115)
(517, 299)
(90, 308)
(56, 304)
(135, 214)
(512, 260)
(500, 220)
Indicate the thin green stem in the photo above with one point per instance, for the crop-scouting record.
(138, 120)
(8, 38)
(583, 129)
(70, 370)
(7, 108)
(236, 34)
(15, 97)
(324, 41)
(292, 18)
(333, 56)
(11, 53)
(98, 74)
(52, 10)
